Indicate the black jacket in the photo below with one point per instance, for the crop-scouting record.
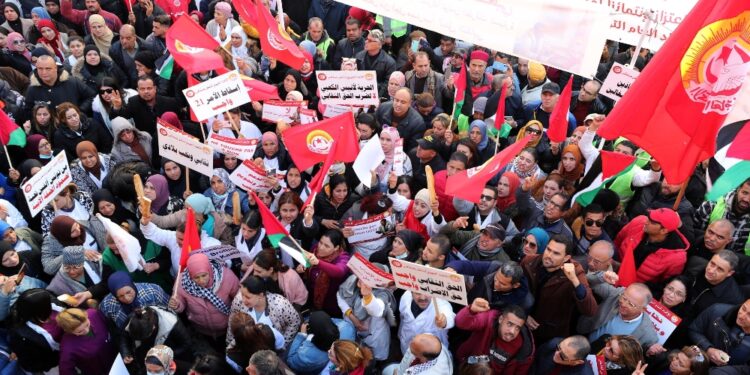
(65, 89)
(649, 197)
(91, 130)
(712, 329)
(145, 116)
(178, 339)
(383, 65)
(345, 48)
(411, 128)
(33, 351)
(127, 63)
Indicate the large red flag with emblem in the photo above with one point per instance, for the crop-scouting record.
(678, 103)
(192, 47)
(311, 144)
(274, 41)
(468, 184)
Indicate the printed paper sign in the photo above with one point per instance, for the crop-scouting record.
(250, 177)
(372, 276)
(184, 149)
(597, 363)
(118, 367)
(347, 87)
(664, 320)
(618, 81)
(221, 253)
(42, 188)
(335, 110)
(371, 229)
(307, 116)
(275, 110)
(398, 157)
(427, 280)
(242, 148)
(217, 95)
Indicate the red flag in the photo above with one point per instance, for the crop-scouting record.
(614, 162)
(740, 147)
(191, 239)
(259, 90)
(246, 10)
(627, 273)
(192, 47)
(469, 184)
(10, 133)
(316, 184)
(310, 144)
(558, 119)
(500, 113)
(175, 8)
(676, 106)
(274, 41)
(274, 229)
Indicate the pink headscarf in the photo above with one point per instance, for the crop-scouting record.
(199, 263)
(172, 119)
(400, 78)
(10, 41)
(384, 169)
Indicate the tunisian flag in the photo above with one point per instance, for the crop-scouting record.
(678, 103)
(468, 184)
(274, 41)
(558, 119)
(310, 144)
(191, 240)
(191, 46)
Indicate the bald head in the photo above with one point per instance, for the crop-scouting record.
(127, 37)
(425, 347)
(600, 256)
(718, 235)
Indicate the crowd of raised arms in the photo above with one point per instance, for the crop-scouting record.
(543, 270)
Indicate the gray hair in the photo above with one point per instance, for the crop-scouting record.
(266, 362)
(497, 80)
(730, 257)
(581, 346)
(511, 269)
(607, 244)
(644, 289)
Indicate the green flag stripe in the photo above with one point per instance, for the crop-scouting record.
(729, 180)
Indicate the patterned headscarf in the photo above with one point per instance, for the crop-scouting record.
(164, 355)
(200, 263)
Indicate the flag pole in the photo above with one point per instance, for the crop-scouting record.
(234, 126)
(681, 194)
(176, 285)
(639, 46)
(280, 14)
(7, 156)
(187, 179)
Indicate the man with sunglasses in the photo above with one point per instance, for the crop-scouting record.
(657, 249)
(591, 231)
(564, 357)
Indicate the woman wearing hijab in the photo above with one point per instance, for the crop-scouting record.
(292, 82)
(20, 283)
(14, 22)
(16, 56)
(571, 166)
(525, 165)
(309, 355)
(91, 167)
(95, 66)
(388, 138)
(69, 202)
(541, 144)
(176, 179)
(157, 190)
(78, 277)
(294, 181)
(67, 232)
(35, 336)
(12, 261)
(125, 296)
(485, 145)
(100, 35)
(38, 148)
(534, 242)
(215, 221)
(272, 153)
(250, 240)
(506, 194)
(160, 360)
(419, 214)
(406, 245)
(22, 239)
(237, 44)
(145, 64)
(51, 39)
(396, 81)
(206, 291)
(130, 143)
(221, 26)
(221, 192)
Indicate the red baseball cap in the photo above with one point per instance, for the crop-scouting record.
(668, 218)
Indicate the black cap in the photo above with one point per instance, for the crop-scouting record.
(495, 231)
(551, 87)
(428, 143)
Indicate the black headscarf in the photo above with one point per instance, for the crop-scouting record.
(120, 215)
(324, 331)
(16, 25)
(24, 257)
(25, 168)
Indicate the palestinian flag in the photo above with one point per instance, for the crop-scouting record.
(277, 234)
(500, 128)
(10, 133)
(165, 70)
(606, 168)
(460, 84)
(729, 180)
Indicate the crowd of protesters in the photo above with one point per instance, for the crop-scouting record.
(85, 78)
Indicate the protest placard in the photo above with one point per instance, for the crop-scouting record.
(427, 280)
(217, 95)
(597, 363)
(371, 229)
(307, 116)
(184, 149)
(664, 320)
(368, 273)
(618, 81)
(275, 110)
(118, 367)
(398, 157)
(249, 176)
(221, 253)
(348, 88)
(242, 148)
(42, 188)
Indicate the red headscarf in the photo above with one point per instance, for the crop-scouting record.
(55, 43)
(513, 182)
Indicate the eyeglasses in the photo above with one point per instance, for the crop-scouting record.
(44, 145)
(555, 205)
(562, 355)
(591, 223)
(486, 198)
(597, 261)
(18, 42)
(627, 301)
(106, 91)
(674, 291)
(474, 359)
(72, 267)
(533, 131)
(527, 242)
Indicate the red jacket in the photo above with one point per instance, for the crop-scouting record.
(659, 266)
(483, 331)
